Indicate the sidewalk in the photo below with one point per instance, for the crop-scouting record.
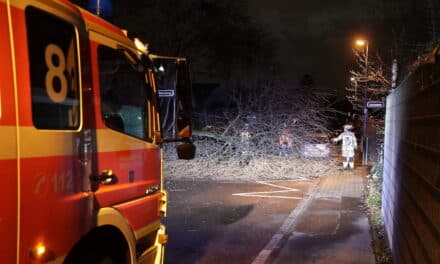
(332, 228)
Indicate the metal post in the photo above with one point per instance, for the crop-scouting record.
(365, 141)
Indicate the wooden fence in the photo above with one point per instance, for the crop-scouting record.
(411, 185)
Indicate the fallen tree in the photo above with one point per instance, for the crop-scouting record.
(244, 142)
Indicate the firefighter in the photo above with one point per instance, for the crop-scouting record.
(285, 141)
(246, 134)
(349, 144)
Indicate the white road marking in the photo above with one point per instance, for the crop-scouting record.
(275, 185)
(270, 194)
(296, 179)
(289, 223)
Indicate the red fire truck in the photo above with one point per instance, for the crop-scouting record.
(80, 136)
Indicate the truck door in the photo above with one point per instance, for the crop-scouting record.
(8, 149)
(54, 206)
(124, 116)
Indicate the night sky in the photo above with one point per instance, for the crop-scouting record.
(316, 37)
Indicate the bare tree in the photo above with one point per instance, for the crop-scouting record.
(221, 41)
(370, 81)
(368, 84)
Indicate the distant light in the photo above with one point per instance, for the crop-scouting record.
(352, 79)
(161, 68)
(102, 8)
(360, 42)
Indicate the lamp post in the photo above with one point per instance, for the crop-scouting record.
(363, 43)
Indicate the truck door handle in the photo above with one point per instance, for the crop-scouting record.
(105, 178)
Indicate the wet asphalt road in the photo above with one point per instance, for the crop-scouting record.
(224, 222)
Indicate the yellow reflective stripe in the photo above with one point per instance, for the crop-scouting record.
(42, 143)
(110, 140)
(8, 141)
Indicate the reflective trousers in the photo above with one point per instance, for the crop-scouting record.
(348, 161)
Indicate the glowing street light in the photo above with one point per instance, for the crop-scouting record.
(354, 81)
(360, 42)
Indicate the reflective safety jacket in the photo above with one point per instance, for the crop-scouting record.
(349, 143)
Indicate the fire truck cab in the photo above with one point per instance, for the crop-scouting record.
(80, 135)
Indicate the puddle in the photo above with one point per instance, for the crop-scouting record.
(320, 223)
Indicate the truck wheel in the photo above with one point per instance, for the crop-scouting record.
(105, 245)
(97, 257)
(109, 255)
(109, 260)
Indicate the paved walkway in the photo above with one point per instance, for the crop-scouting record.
(329, 227)
(346, 184)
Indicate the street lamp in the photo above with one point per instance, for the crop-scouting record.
(364, 43)
(360, 42)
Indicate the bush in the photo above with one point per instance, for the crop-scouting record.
(374, 205)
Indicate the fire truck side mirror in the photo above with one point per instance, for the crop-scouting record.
(173, 82)
(186, 150)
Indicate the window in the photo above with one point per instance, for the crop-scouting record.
(53, 71)
(124, 92)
